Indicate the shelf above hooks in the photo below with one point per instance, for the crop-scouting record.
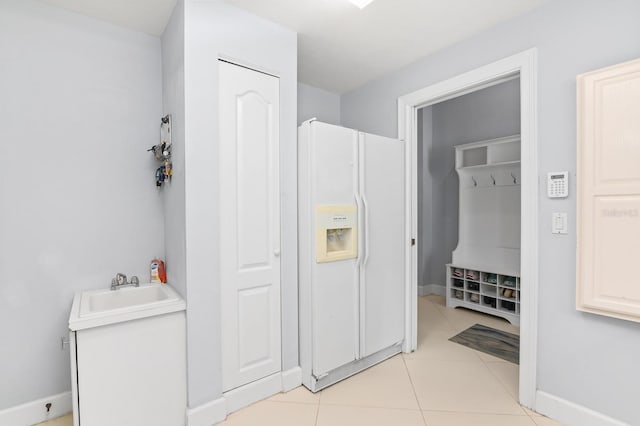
(491, 163)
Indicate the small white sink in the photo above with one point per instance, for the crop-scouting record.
(94, 308)
(123, 298)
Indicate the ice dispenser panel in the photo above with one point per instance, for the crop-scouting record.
(336, 232)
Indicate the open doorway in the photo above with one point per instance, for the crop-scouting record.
(469, 228)
(518, 69)
(471, 208)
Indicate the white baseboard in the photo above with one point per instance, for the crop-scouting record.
(253, 392)
(571, 414)
(36, 411)
(437, 289)
(207, 414)
(291, 379)
(217, 410)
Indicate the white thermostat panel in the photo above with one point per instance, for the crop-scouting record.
(558, 185)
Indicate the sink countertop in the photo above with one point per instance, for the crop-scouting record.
(95, 308)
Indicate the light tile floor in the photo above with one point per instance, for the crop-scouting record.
(441, 384)
(66, 420)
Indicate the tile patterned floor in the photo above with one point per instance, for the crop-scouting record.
(441, 384)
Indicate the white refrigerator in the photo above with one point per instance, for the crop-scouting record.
(352, 243)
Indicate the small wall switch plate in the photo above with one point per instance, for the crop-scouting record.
(558, 223)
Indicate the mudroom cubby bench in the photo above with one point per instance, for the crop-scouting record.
(492, 292)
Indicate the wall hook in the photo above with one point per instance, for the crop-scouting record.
(493, 180)
(474, 181)
(515, 180)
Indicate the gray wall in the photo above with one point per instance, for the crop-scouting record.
(318, 103)
(584, 358)
(213, 29)
(174, 193)
(486, 114)
(425, 210)
(80, 105)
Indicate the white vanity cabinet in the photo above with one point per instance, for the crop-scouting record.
(128, 357)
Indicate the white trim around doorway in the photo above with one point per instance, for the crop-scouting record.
(523, 65)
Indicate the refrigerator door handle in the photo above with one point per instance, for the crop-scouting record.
(360, 248)
(366, 229)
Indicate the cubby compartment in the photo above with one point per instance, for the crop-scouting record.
(472, 298)
(489, 289)
(507, 281)
(472, 275)
(457, 294)
(505, 152)
(474, 157)
(508, 306)
(473, 286)
(457, 272)
(490, 278)
(489, 301)
(458, 283)
(508, 293)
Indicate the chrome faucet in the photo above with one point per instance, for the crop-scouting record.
(121, 281)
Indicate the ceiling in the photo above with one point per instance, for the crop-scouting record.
(147, 16)
(340, 47)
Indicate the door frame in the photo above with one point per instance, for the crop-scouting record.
(524, 65)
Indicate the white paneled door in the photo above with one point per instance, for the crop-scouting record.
(609, 191)
(249, 224)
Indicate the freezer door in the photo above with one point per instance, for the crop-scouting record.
(382, 284)
(335, 283)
